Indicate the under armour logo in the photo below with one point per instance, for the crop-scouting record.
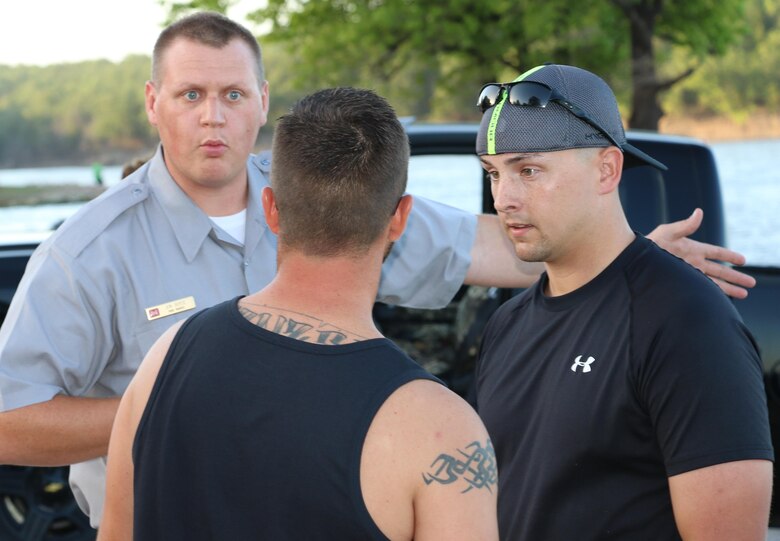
(584, 364)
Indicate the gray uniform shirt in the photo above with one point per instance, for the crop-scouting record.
(101, 289)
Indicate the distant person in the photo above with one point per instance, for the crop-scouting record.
(131, 166)
(186, 231)
(622, 392)
(97, 171)
(286, 412)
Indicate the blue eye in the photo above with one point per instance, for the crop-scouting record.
(234, 95)
(191, 95)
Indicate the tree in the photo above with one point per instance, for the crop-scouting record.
(431, 50)
(702, 27)
(744, 81)
(73, 113)
(175, 9)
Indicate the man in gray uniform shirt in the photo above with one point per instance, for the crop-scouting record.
(187, 231)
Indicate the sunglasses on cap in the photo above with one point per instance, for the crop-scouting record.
(534, 94)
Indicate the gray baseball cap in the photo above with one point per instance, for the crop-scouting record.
(577, 109)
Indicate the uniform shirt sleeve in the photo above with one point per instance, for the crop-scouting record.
(428, 264)
(703, 387)
(54, 338)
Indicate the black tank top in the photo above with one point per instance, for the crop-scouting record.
(252, 435)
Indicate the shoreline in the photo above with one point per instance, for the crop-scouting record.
(13, 196)
(758, 126)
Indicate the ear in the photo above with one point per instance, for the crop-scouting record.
(265, 97)
(400, 216)
(270, 209)
(151, 99)
(264, 101)
(610, 168)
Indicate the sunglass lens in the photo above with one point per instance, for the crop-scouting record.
(488, 97)
(530, 94)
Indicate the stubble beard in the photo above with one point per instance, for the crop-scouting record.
(533, 252)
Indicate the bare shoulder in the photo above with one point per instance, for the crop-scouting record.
(428, 464)
(432, 408)
(452, 444)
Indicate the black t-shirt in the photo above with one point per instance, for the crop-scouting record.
(593, 398)
(252, 435)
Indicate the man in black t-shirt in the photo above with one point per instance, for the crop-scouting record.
(622, 392)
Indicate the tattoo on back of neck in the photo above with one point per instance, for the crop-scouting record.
(298, 326)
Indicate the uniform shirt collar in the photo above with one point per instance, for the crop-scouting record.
(190, 224)
(258, 170)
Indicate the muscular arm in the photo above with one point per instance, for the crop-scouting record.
(725, 502)
(117, 522)
(428, 470)
(63, 430)
(494, 263)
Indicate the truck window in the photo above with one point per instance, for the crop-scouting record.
(453, 179)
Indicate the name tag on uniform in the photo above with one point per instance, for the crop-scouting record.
(170, 308)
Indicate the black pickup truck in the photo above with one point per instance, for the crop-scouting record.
(36, 504)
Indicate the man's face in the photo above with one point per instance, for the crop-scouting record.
(208, 107)
(545, 201)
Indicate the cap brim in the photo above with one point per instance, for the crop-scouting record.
(635, 157)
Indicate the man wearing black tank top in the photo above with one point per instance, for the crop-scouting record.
(286, 414)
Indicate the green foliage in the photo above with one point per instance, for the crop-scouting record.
(429, 57)
(178, 9)
(745, 79)
(70, 113)
(702, 27)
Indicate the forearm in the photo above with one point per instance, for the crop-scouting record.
(494, 261)
(64, 430)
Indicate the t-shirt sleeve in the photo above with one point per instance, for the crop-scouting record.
(703, 387)
(428, 264)
(52, 340)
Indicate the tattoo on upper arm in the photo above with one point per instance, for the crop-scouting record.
(295, 327)
(476, 466)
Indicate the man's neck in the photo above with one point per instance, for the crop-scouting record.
(587, 258)
(333, 296)
(216, 197)
(219, 201)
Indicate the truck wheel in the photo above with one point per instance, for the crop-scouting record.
(36, 504)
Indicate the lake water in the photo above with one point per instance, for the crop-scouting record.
(750, 187)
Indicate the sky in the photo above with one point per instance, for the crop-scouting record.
(43, 32)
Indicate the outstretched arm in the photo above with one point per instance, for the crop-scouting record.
(493, 259)
(494, 263)
(673, 238)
